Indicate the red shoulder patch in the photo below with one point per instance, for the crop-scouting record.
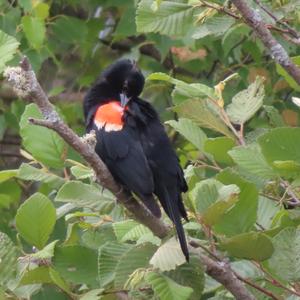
(110, 116)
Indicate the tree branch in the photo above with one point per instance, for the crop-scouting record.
(26, 86)
(254, 20)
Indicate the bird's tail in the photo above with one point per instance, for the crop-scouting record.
(173, 210)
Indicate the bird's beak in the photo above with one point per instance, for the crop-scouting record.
(124, 99)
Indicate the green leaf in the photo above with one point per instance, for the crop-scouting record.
(92, 295)
(108, 258)
(219, 148)
(83, 195)
(209, 191)
(44, 274)
(37, 275)
(170, 18)
(190, 131)
(281, 144)
(242, 216)
(77, 264)
(168, 256)
(8, 259)
(7, 174)
(190, 274)
(274, 116)
(46, 252)
(129, 230)
(35, 220)
(289, 79)
(44, 144)
(28, 172)
(266, 211)
(34, 29)
(233, 36)
(285, 261)
(186, 90)
(247, 102)
(8, 47)
(41, 10)
(290, 166)
(200, 113)
(135, 258)
(81, 172)
(97, 238)
(70, 29)
(216, 211)
(216, 26)
(56, 278)
(251, 160)
(167, 289)
(251, 245)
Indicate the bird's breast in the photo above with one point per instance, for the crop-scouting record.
(110, 116)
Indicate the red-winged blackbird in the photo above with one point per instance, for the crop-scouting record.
(133, 143)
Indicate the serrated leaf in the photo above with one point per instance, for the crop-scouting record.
(7, 174)
(135, 258)
(285, 261)
(207, 192)
(219, 148)
(129, 230)
(190, 274)
(80, 172)
(242, 216)
(34, 29)
(28, 172)
(217, 26)
(167, 289)
(49, 147)
(250, 159)
(187, 90)
(266, 211)
(35, 220)
(46, 252)
(247, 102)
(168, 256)
(190, 131)
(170, 18)
(108, 257)
(250, 245)
(77, 264)
(8, 259)
(281, 144)
(8, 47)
(199, 112)
(83, 195)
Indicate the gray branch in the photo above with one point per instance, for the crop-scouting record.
(26, 85)
(254, 20)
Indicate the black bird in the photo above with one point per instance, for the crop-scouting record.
(133, 144)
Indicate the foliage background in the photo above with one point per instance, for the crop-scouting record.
(237, 137)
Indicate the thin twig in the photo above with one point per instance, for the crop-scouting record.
(290, 30)
(255, 21)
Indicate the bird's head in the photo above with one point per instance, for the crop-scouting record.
(126, 78)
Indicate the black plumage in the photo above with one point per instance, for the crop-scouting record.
(136, 149)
